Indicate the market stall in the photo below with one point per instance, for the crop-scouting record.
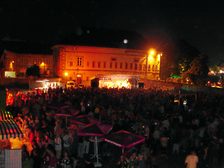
(95, 131)
(124, 139)
(10, 137)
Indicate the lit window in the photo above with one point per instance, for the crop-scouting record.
(79, 61)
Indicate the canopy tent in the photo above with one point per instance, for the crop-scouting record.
(124, 139)
(9, 129)
(5, 115)
(82, 120)
(95, 130)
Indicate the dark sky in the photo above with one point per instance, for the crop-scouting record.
(201, 23)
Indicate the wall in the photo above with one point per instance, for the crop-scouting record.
(101, 61)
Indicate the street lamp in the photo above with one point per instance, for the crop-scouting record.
(43, 65)
(149, 59)
(66, 74)
(11, 65)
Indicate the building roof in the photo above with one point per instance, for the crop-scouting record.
(78, 48)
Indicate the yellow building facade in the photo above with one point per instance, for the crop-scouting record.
(19, 62)
(83, 63)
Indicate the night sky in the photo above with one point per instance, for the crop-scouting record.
(201, 23)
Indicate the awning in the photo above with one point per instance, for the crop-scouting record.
(9, 129)
(5, 115)
(124, 139)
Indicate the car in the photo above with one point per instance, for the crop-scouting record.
(70, 84)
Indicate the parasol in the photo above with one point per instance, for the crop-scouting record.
(95, 130)
(9, 129)
(82, 120)
(124, 139)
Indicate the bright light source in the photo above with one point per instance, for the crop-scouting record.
(79, 76)
(158, 57)
(42, 64)
(66, 74)
(11, 65)
(152, 51)
(125, 41)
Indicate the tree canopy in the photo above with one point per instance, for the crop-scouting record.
(198, 71)
(34, 71)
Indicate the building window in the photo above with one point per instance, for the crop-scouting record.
(131, 65)
(70, 63)
(79, 61)
(121, 65)
(149, 68)
(98, 64)
(93, 65)
(87, 64)
(140, 67)
(144, 67)
(115, 65)
(152, 67)
(111, 64)
(126, 65)
(104, 64)
(136, 66)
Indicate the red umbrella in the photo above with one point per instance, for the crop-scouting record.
(82, 120)
(124, 139)
(97, 130)
(62, 115)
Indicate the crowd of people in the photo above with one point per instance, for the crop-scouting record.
(183, 127)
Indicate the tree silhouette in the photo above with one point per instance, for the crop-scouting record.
(34, 71)
(198, 71)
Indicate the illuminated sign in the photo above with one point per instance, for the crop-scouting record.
(10, 74)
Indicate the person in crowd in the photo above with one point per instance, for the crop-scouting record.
(67, 140)
(87, 162)
(66, 161)
(191, 160)
(123, 162)
(58, 146)
(49, 158)
(187, 128)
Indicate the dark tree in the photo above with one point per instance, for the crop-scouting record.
(33, 71)
(186, 54)
(198, 71)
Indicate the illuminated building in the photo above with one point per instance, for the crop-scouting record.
(84, 63)
(15, 64)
